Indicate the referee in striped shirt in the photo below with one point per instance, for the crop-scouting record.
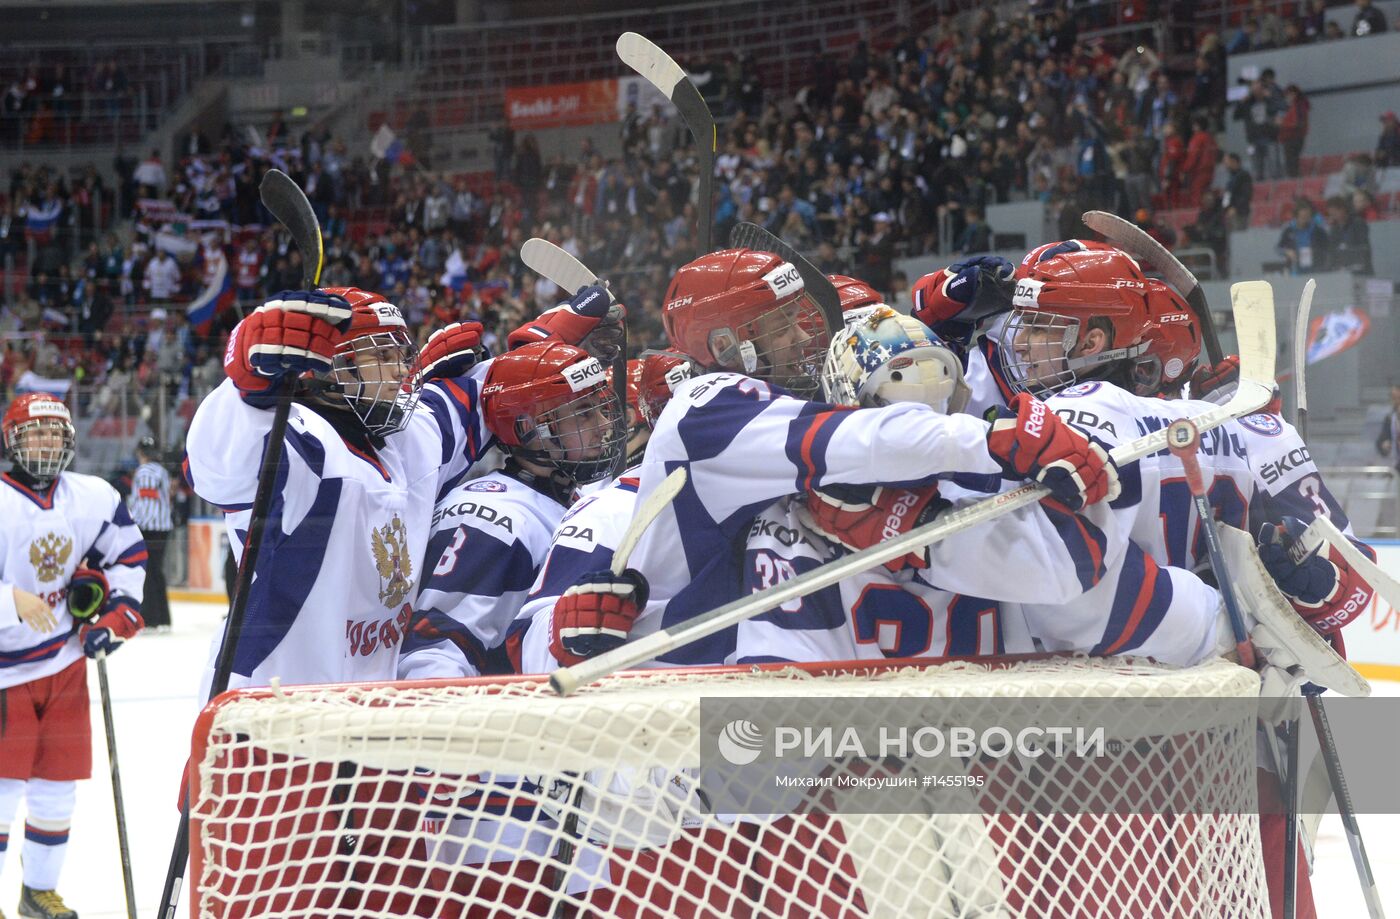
(150, 508)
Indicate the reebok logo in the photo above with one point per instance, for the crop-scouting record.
(898, 511)
(1035, 422)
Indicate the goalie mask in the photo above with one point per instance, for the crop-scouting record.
(373, 363)
(884, 357)
(748, 311)
(1090, 313)
(39, 437)
(551, 404)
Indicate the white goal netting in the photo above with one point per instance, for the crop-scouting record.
(494, 797)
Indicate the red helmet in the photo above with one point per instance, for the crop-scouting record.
(552, 404)
(1062, 298)
(661, 373)
(1173, 341)
(747, 311)
(374, 355)
(854, 293)
(26, 420)
(1048, 252)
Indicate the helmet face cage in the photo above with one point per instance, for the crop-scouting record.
(582, 436)
(372, 374)
(1035, 351)
(785, 345)
(882, 357)
(42, 447)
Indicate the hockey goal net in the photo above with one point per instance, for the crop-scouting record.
(497, 798)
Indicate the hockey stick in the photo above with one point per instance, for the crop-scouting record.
(1300, 358)
(642, 518)
(123, 843)
(747, 235)
(1254, 317)
(1135, 241)
(1382, 583)
(548, 260)
(287, 202)
(660, 70)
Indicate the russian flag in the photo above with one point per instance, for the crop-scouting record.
(386, 145)
(218, 296)
(39, 219)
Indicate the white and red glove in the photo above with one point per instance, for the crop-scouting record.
(1034, 443)
(110, 630)
(87, 593)
(859, 517)
(1322, 586)
(952, 300)
(570, 322)
(596, 614)
(289, 335)
(451, 351)
(1216, 383)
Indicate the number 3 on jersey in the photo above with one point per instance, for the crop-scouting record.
(902, 624)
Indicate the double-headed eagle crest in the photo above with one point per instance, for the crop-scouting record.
(390, 545)
(49, 556)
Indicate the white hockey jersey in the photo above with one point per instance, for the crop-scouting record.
(79, 522)
(745, 445)
(584, 541)
(346, 533)
(489, 537)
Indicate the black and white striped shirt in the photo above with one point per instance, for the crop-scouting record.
(150, 497)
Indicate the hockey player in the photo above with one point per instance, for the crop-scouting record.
(72, 567)
(748, 436)
(364, 465)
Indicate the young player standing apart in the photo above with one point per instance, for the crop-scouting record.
(71, 575)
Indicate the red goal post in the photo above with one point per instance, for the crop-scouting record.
(495, 797)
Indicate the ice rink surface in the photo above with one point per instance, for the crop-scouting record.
(154, 681)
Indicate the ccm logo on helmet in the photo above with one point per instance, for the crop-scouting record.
(1175, 317)
(784, 280)
(679, 302)
(584, 375)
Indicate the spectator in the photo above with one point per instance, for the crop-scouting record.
(1304, 243)
(1333, 31)
(1198, 166)
(1368, 21)
(1388, 443)
(1269, 32)
(1239, 192)
(1293, 128)
(1388, 145)
(1259, 114)
(1315, 21)
(150, 509)
(1169, 168)
(162, 280)
(976, 235)
(150, 175)
(1147, 221)
(1210, 229)
(1350, 237)
(1359, 174)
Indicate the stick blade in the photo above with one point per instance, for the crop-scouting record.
(646, 57)
(747, 235)
(1253, 304)
(287, 202)
(1301, 321)
(548, 260)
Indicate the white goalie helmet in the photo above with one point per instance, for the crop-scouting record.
(882, 357)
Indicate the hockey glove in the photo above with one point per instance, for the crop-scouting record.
(596, 614)
(111, 629)
(1032, 442)
(859, 517)
(1321, 584)
(952, 300)
(1216, 384)
(87, 593)
(291, 334)
(569, 322)
(451, 351)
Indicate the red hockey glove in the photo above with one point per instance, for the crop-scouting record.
(288, 335)
(860, 517)
(451, 351)
(1216, 384)
(596, 614)
(952, 300)
(1322, 586)
(570, 322)
(1036, 444)
(87, 593)
(111, 629)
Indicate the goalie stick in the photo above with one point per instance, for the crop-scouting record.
(1300, 358)
(747, 235)
(1254, 318)
(660, 70)
(545, 258)
(285, 200)
(1135, 241)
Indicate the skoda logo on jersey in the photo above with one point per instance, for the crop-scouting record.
(1263, 423)
(391, 560)
(740, 742)
(49, 555)
(486, 486)
(1079, 389)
